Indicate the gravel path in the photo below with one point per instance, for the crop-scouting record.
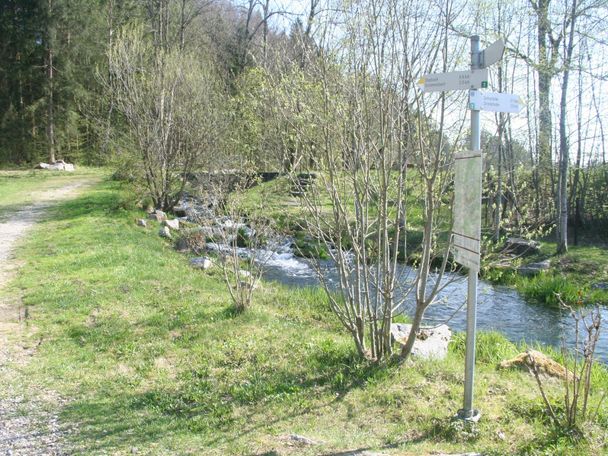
(29, 423)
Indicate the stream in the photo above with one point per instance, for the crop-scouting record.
(500, 308)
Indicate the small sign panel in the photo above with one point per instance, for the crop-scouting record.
(456, 80)
(466, 228)
(493, 53)
(495, 102)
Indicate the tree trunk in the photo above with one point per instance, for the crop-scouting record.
(544, 95)
(562, 242)
(50, 121)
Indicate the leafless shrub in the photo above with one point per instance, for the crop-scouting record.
(242, 238)
(579, 360)
(358, 123)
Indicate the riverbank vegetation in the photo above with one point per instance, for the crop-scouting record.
(582, 273)
(269, 71)
(149, 355)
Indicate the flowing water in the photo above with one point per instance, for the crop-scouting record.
(500, 308)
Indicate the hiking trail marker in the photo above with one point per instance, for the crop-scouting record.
(466, 232)
(495, 102)
(456, 80)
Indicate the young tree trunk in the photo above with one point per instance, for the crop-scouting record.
(544, 95)
(50, 122)
(562, 242)
(499, 192)
(574, 198)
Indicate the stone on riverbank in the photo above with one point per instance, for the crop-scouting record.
(173, 224)
(142, 223)
(546, 365)
(430, 342)
(523, 247)
(532, 269)
(203, 263)
(164, 232)
(158, 215)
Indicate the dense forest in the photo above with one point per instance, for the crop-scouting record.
(162, 87)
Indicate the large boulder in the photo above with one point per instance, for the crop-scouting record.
(430, 342)
(523, 247)
(532, 269)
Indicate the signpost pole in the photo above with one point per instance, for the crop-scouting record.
(467, 412)
(467, 200)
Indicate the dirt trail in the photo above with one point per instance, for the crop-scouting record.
(29, 423)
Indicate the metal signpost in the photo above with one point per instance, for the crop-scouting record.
(467, 184)
(492, 54)
(468, 412)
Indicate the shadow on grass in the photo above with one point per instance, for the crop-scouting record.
(103, 425)
(202, 407)
(107, 198)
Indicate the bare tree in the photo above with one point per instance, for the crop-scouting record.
(169, 99)
(356, 187)
(557, 35)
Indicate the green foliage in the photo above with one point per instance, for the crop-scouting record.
(310, 248)
(491, 347)
(583, 269)
(170, 101)
(545, 289)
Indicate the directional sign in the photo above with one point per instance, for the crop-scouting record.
(492, 54)
(495, 102)
(456, 80)
(467, 209)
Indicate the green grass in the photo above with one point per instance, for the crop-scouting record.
(20, 188)
(572, 276)
(150, 355)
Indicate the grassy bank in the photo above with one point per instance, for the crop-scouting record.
(577, 276)
(150, 356)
